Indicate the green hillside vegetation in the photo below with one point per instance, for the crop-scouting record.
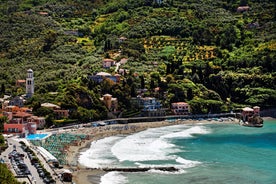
(6, 175)
(202, 52)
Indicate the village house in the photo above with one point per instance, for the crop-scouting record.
(107, 63)
(20, 83)
(248, 113)
(122, 71)
(122, 39)
(19, 125)
(180, 108)
(21, 122)
(110, 103)
(43, 13)
(99, 77)
(253, 25)
(59, 113)
(242, 9)
(150, 106)
(16, 101)
(15, 109)
(123, 61)
(72, 32)
(39, 121)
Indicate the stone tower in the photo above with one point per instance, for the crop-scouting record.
(30, 83)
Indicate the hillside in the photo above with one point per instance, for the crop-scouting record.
(212, 54)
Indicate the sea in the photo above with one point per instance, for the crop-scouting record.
(204, 153)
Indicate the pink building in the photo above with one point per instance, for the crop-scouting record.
(15, 129)
(180, 108)
(19, 125)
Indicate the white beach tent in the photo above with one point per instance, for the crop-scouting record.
(46, 155)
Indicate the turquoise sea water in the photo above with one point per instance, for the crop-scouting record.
(205, 153)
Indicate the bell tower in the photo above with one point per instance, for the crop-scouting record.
(30, 83)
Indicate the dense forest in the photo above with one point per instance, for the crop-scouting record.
(217, 55)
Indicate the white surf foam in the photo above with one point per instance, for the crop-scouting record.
(99, 154)
(150, 145)
(113, 178)
(186, 163)
(187, 133)
(181, 163)
(144, 146)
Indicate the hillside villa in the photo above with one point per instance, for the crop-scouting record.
(180, 108)
(99, 77)
(110, 103)
(150, 106)
(59, 113)
(107, 63)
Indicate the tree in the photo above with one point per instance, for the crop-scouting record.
(49, 40)
(2, 140)
(43, 111)
(3, 90)
(142, 82)
(107, 45)
(36, 106)
(49, 120)
(152, 85)
(133, 91)
(190, 94)
(107, 85)
(6, 175)
(3, 119)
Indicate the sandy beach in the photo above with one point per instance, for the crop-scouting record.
(82, 175)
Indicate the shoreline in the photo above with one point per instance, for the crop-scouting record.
(82, 174)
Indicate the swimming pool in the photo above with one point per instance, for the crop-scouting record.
(36, 136)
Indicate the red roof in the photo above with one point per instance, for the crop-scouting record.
(22, 114)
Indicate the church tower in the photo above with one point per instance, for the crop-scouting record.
(30, 83)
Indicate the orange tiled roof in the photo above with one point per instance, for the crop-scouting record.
(21, 81)
(22, 114)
